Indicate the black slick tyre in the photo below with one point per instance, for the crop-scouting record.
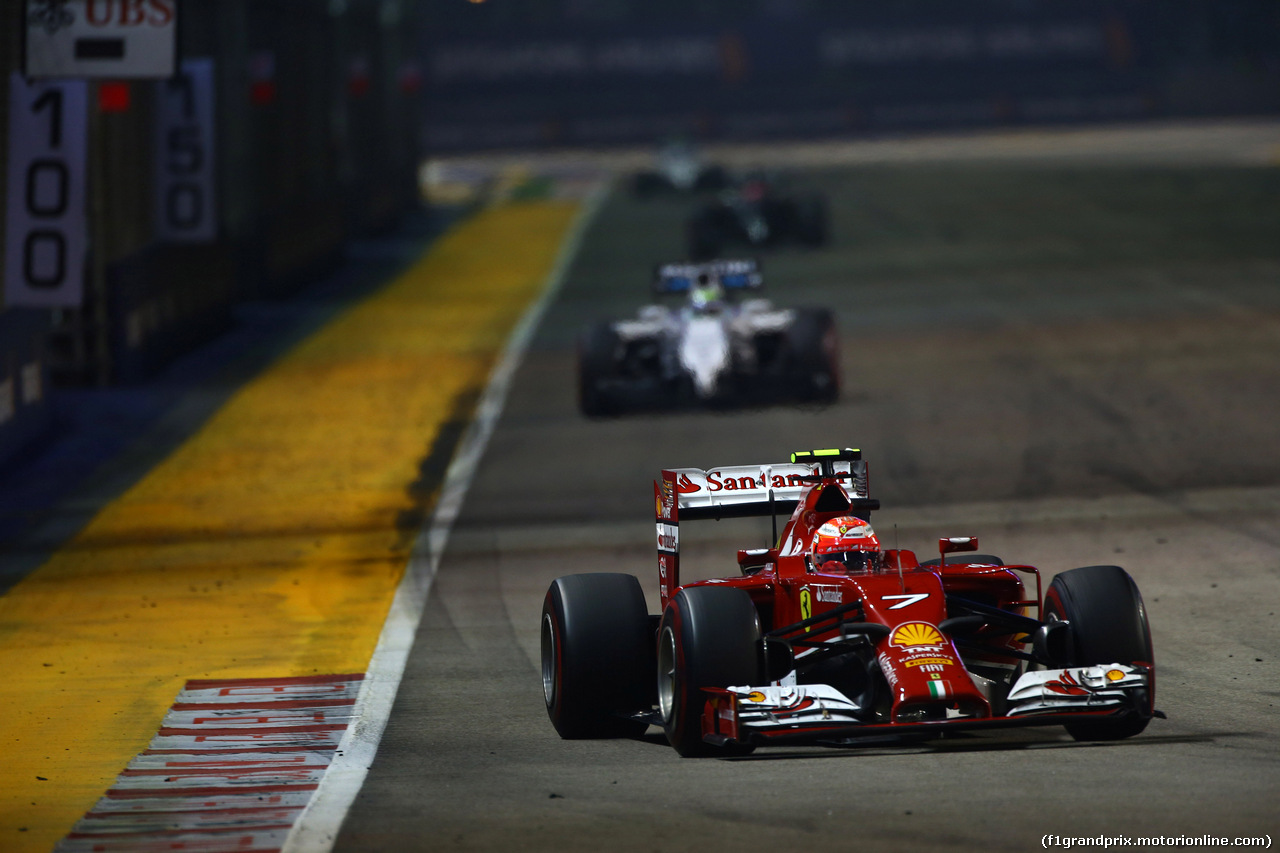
(813, 347)
(811, 221)
(1108, 624)
(708, 637)
(597, 364)
(712, 178)
(597, 655)
(704, 236)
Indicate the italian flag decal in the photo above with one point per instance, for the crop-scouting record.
(938, 689)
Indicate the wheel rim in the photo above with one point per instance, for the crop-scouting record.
(548, 660)
(667, 674)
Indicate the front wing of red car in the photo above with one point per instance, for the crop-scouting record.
(819, 713)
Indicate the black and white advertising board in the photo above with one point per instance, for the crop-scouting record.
(115, 39)
(46, 230)
(185, 202)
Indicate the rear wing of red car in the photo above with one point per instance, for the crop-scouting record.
(742, 491)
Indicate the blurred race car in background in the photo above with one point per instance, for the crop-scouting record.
(717, 348)
(826, 638)
(758, 214)
(679, 168)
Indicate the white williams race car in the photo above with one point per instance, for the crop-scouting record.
(678, 168)
(718, 348)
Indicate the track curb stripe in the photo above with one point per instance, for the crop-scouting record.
(198, 788)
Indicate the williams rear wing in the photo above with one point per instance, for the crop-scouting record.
(731, 274)
(742, 491)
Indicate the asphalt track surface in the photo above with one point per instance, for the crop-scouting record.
(1075, 359)
(1064, 343)
(258, 532)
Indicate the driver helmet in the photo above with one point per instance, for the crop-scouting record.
(707, 293)
(849, 541)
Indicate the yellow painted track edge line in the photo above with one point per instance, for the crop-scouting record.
(317, 829)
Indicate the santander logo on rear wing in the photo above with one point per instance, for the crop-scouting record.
(742, 491)
(735, 488)
(739, 484)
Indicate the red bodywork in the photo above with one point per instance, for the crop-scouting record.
(901, 608)
(919, 661)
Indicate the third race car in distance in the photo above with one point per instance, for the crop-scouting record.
(757, 213)
(722, 346)
(679, 168)
(827, 638)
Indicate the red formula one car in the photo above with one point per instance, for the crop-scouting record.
(829, 639)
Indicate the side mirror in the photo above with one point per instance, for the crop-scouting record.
(954, 544)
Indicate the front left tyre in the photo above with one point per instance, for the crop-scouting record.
(597, 365)
(597, 656)
(1107, 623)
(709, 637)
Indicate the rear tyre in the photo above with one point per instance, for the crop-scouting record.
(813, 345)
(704, 236)
(708, 637)
(597, 655)
(1108, 625)
(811, 221)
(597, 364)
(712, 178)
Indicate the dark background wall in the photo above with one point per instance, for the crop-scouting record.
(539, 73)
(316, 140)
(325, 109)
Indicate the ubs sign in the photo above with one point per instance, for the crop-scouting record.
(101, 38)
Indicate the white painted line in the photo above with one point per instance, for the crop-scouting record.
(317, 829)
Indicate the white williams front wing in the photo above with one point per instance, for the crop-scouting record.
(1087, 688)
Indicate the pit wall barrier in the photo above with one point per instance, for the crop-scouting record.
(26, 414)
(165, 301)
